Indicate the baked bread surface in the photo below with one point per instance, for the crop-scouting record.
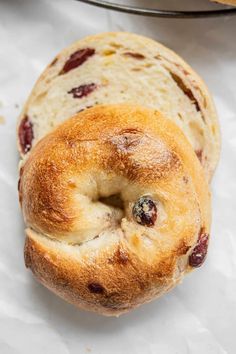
(80, 190)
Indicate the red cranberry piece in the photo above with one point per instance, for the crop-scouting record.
(198, 255)
(83, 90)
(145, 211)
(26, 134)
(76, 59)
(135, 55)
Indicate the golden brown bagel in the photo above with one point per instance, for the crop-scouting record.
(111, 254)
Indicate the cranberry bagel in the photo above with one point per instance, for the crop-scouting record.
(116, 206)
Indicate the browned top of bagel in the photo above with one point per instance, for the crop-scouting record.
(80, 236)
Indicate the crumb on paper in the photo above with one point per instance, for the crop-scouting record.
(16, 105)
(88, 350)
(2, 120)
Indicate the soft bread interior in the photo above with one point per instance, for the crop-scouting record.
(131, 69)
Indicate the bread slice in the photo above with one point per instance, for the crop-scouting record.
(121, 67)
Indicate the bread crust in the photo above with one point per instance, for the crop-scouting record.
(127, 264)
(182, 75)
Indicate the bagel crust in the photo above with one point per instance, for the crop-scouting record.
(79, 189)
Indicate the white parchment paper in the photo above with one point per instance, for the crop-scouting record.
(199, 316)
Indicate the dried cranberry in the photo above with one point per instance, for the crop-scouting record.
(145, 211)
(199, 252)
(76, 59)
(96, 288)
(135, 55)
(83, 90)
(26, 134)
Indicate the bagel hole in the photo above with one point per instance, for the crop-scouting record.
(114, 200)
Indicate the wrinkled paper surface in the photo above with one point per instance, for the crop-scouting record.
(199, 316)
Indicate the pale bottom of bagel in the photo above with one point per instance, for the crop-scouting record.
(64, 269)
